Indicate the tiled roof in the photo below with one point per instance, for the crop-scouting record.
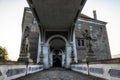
(90, 18)
(85, 16)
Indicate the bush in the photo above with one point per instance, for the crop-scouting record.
(3, 54)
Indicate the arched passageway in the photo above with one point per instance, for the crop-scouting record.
(57, 46)
(57, 61)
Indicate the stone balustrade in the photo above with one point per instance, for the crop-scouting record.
(13, 70)
(107, 69)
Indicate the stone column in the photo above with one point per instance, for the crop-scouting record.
(68, 54)
(72, 54)
(41, 54)
(46, 57)
(24, 52)
(51, 59)
(63, 58)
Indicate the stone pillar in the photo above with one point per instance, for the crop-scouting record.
(72, 54)
(68, 54)
(74, 47)
(46, 58)
(51, 59)
(63, 59)
(39, 49)
(41, 54)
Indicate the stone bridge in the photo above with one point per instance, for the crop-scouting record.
(97, 70)
(58, 74)
(53, 44)
(55, 22)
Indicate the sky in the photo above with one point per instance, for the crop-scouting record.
(11, 14)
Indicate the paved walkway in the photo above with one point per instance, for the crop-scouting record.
(58, 74)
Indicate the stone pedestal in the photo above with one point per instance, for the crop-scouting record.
(25, 58)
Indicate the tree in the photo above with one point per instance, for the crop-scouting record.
(3, 54)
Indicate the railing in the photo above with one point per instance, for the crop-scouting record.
(107, 69)
(15, 70)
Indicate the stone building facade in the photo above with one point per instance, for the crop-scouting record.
(56, 49)
(97, 31)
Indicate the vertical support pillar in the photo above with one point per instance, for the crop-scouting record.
(74, 47)
(41, 54)
(39, 48)
(72, 54)
(46, 56)
(68, 53)
(63, 58)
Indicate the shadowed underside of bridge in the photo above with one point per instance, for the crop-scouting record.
(58, 74)
(56, 14)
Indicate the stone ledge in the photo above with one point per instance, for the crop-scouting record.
(106, 61)
(14, 63)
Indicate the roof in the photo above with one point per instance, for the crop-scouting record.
(85, 16)
(90, 18)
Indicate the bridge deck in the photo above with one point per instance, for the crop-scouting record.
(58, 74)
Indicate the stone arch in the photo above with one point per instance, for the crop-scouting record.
(61, 57)
(57, 36)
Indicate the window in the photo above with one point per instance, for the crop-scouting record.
(90, 28)
(79, 26)
(81, 42)
(101, 29)
(34, 21)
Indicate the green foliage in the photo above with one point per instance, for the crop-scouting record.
(3, 54)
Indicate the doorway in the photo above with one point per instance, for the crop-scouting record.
(57, 61)
(57, 48)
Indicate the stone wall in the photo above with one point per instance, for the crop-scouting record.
(97, 31)
(107, 69)
(13, 71)
(82, 68)
(33, 45)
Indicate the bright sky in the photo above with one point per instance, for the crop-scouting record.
(11, 13)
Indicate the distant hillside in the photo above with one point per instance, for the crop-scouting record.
(116, 56)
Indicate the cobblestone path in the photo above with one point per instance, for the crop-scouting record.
(58, 74)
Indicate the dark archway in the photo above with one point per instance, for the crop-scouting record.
(57, 45)
(57, 61)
